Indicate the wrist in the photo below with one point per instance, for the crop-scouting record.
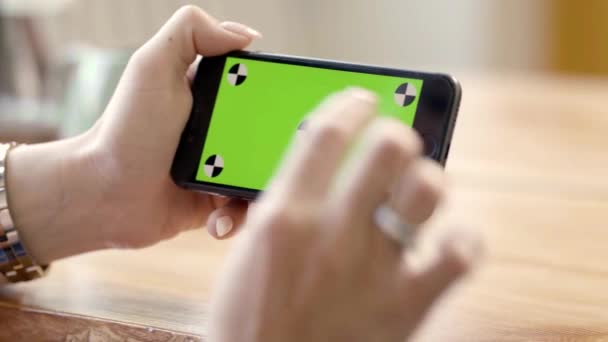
(50, 200)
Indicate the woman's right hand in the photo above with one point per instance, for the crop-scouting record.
(312, 265)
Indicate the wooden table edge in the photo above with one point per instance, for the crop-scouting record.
(24, 323)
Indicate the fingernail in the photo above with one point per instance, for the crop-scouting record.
(241, 29)
(223, 226)
(362, 94)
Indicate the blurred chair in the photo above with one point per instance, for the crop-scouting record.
(24, 106)
(90, 74)
(90, 87)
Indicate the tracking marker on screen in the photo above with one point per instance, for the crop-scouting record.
(214, 165)
(405, 94)
(237, 74)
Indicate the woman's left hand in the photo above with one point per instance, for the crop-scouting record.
(111, 186)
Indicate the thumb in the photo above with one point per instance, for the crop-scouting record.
(191, 32)
(224, 222)
(155, 84)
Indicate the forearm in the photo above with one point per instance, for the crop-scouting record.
(49, 199)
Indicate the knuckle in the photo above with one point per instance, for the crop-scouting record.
(396, 143)
(391, 146)
(190, 13)
(142, 61)
(455, 263)
(390, 153)
(419, 202)
(413, 282)
(430, 190)
(456, 267)
(330, 134)
(139, 57)
(429, 179)
(418, 214)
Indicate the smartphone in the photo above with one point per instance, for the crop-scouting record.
(248, 107)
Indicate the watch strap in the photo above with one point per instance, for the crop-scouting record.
(16, 264)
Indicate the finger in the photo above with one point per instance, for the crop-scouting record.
(418, 192)
(310, 168)
(225, 221)
(191, 32)
(388, 148)
(191, 73)
(216, 200)
(457, 255)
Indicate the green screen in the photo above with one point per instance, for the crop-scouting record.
(260, 106)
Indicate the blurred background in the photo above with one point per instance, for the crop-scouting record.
(60, 59)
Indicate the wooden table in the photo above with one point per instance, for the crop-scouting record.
(528, 168)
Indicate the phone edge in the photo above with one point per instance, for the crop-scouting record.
(248, 194)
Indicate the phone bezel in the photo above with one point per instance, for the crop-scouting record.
(439, 101)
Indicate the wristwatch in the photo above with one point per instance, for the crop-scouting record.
(16, 264)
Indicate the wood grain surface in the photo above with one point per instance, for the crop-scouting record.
(36, 325)
(528, 168)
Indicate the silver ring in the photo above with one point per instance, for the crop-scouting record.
(391, 224)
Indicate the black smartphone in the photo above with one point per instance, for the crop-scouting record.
(248, 107)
